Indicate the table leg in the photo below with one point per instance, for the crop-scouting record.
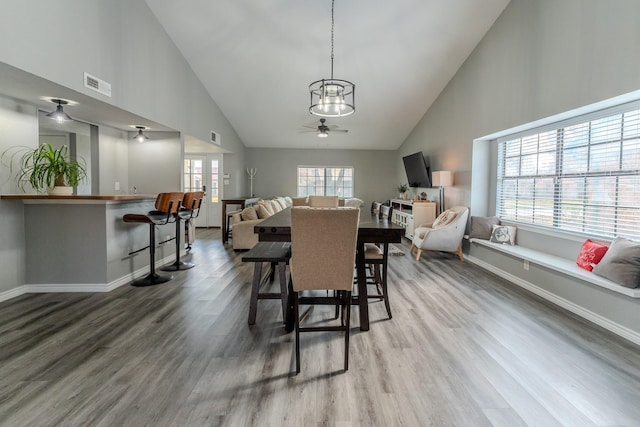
(224, 222)
(255, 289)
(282, 273)
(362, 289)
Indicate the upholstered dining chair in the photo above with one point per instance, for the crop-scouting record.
(300, 201)
(444, 234)
(323, 250)
(323, 201)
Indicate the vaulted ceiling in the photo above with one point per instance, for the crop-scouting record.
(256, 59)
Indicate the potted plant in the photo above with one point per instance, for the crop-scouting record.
(402, 189)
(48, 169)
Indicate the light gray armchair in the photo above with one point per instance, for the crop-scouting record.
(439, 237)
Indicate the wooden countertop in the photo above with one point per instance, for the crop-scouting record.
(88, 199)
(72, 197)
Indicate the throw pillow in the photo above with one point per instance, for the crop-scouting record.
(268, 206)
(262, 211)
(275, 205)
(503, 234)
(590, 254)
(621, 263)
(444, 218)
(288, 201)
(482, 226)
(249, 213)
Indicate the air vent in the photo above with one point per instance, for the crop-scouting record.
(215, 137)
(96, 84)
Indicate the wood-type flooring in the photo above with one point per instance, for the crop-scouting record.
(464, 348)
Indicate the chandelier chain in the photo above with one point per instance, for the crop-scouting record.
(332, 25)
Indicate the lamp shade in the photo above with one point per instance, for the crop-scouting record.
(442, 178)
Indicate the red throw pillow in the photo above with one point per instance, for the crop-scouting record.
(590, 254)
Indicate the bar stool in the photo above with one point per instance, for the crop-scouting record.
(190, 209)
(167, 204)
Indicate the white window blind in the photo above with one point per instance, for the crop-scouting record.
(581, 175)
(325, 181)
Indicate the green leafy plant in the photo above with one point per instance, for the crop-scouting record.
(403, 188)
(45, 167)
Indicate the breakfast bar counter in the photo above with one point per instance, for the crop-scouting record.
(80, 243)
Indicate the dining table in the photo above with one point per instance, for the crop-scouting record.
(371, 229)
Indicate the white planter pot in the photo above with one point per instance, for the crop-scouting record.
(60, 191)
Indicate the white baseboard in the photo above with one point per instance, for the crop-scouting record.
(599, 320)
(82, 287)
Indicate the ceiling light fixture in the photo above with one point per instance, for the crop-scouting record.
(59, 115)
(332, 97)
(140, 137)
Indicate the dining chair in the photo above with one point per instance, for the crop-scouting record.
(323, 250)
(323, 201)
(376, 257)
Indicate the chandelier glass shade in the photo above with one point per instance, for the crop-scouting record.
(59, 115)
(141, 137)
(332, 97)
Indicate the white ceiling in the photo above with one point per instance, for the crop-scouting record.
(256, 59)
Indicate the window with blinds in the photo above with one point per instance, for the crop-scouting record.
(325, 181)
(581, 175)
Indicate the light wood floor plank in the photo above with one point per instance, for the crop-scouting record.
(464, 348)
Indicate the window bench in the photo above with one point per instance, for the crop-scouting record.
(562, 265)
(556, 278)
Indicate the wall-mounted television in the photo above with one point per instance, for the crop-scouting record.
(418, 170)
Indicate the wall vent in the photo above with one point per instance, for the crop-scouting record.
(215, 137)
(96, 84)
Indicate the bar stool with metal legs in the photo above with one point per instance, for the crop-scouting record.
(167, 204)
(190, 209)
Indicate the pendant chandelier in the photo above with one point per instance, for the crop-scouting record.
(332, 97)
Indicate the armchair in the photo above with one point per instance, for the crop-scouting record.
(444, 238)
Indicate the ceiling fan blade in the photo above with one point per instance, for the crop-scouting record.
(339, 130)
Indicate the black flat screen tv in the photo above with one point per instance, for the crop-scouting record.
(418, 170)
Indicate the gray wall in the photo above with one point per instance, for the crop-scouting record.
(540, 58)
(19, 127)
(155, 165)
(119, 41)
(277, 170)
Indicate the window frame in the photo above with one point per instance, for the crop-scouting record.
(326, 175)
(620, 226)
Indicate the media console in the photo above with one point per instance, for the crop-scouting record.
(411, 214)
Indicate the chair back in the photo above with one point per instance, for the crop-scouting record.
(375, 208)
(299, 201)
(193, 200)
(169, 202)
(386, 212)
(323, 201)
(323, 248)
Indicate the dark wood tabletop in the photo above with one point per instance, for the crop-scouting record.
(277, 228)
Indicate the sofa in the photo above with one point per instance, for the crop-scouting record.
(243, 222)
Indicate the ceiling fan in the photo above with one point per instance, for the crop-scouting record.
(323, 129)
